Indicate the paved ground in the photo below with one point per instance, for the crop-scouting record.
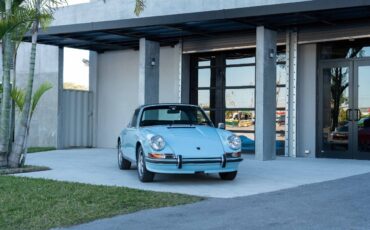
(339, 204)
(99, 166)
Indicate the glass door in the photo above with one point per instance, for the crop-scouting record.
(344, 109)
(362, 109)
(336, 105)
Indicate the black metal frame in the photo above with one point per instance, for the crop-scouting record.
(218, 83)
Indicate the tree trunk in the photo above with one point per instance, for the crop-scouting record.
(14, 81)
(5, 104)
(14, 158)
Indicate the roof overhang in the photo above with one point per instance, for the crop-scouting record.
(169, 29)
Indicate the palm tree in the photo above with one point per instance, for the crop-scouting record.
(5, 105)
(44, 10)
(15, 21)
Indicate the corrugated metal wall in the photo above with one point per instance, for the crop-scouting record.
(77, 118)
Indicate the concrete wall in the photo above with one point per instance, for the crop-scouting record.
(123, 9)
(169, 74)
(43, 131)
(117, 94)
(306, 100)
(118, 89)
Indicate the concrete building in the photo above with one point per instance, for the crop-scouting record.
(290, 77)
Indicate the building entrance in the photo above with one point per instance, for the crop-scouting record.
(344, 108)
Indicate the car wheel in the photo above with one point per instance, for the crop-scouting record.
(228, 175)
(123, 164)
(143, 173)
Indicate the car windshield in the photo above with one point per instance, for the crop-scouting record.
(174, 115)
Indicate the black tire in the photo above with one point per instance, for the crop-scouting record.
(123, 164)
(228, 175)
(143, 174)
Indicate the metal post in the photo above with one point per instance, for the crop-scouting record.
(291, 97)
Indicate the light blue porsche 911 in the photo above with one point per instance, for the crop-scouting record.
(177, 139)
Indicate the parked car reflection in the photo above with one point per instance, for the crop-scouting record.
(339, 137)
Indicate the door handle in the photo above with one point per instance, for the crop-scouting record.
(348, 113)
(358, 114)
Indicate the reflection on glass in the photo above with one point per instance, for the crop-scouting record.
(248, 142)
(204, 77)
(280, 144)
(240, 61)
(204, 98)
(239, 120)
(335, 106)
(239, 98)
(281, 74)
(280, 121)
(211, 115)
(204, 61)
(240, 76)
(280, 97)
(281, 56)
(345, 49)
(364, 108)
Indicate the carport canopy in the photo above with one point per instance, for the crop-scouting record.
(169, 29)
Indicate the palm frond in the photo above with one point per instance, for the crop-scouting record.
(18, 95)
(21, 17)
(139, 7)
(43, 88)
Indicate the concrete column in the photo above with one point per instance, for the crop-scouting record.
(60, 131)
(93, 88)
(148, 72)
(265, 94)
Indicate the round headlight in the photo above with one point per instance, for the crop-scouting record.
(234, 142)
(157, 142)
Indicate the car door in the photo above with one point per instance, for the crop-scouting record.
(130, 137)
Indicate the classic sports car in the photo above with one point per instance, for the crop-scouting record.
(177, 139)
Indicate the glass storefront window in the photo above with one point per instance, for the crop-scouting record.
(240, 60)
(228, 79)
(240, 120)
(240, 76)
(345, 49)
(204, 98)
(204, 77)
(281, 74)
(281, 97)
(239, 98)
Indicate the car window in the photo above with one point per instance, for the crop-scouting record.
(172, 115)
(134, 118)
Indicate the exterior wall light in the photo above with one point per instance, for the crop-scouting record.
(272, 53)
(152, 63)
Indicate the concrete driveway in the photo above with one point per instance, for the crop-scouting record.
(99, 166)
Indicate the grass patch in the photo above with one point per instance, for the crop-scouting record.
(40, 149)
(43, 204)
(25, 169)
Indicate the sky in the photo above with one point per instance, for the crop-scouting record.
(76, 69)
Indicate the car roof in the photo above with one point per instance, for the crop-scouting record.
(166, 104)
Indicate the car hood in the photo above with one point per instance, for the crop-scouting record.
(190, 141)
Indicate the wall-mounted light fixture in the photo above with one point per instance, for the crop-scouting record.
(153, 63)
(272, 53)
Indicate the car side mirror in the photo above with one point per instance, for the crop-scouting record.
(221, 125)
